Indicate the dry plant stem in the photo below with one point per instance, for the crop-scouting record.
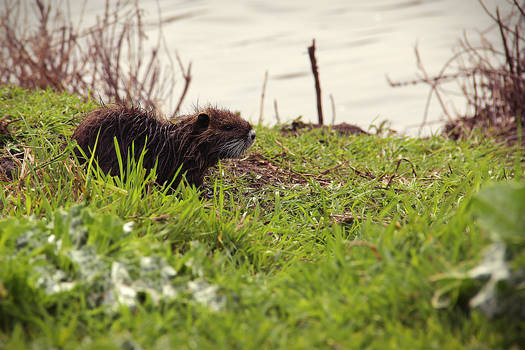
(395, 173)
(187, 79)
(517, 49)
(276, 112)
(494, 17)
(489, 76)
(262, 97)
(162, 37)
(285, 150)
(504, 41)
(519, 7)
(105, 60)
(327, 171)
(313, 61)
(28, 159)
(332, 102)
(434, 89)
(365, 175)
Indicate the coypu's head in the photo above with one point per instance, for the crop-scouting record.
(221, 133)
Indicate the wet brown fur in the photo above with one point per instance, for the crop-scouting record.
(194, 141)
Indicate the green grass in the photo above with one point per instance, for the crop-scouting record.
(245, 266)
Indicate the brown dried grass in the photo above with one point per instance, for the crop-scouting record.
(490, 76)
(42, 47)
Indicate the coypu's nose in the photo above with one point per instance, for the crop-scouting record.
(251, 135)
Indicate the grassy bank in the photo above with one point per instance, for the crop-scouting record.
(313, 241)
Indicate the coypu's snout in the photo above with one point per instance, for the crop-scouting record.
(251, 136)
(237, 145)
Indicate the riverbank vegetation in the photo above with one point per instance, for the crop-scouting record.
(489, 75)
(321, 237)
(110, 60)
(313, 240)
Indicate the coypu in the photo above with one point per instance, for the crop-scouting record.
(195, 141)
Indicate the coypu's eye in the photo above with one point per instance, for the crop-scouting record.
(227, 127)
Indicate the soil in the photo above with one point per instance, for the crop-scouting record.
(4, 130)
(262, 172)
(8, 164)
(8, 167)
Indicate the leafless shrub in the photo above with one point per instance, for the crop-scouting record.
(42, 47)
(492, 79)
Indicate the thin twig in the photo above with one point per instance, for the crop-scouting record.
(276, 112)
(187, 79)
(395, 172)
(332, 102)
(520, 8)
(327, 171)
(494, 18)
(504, 41)
(433, 84)
(262, 97)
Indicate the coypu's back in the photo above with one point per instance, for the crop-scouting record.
(195, 141)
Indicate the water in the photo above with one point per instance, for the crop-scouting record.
(232, 43)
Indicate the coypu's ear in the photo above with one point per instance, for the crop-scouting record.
(202, 123)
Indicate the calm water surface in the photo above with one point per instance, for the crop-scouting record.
(359, 42)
